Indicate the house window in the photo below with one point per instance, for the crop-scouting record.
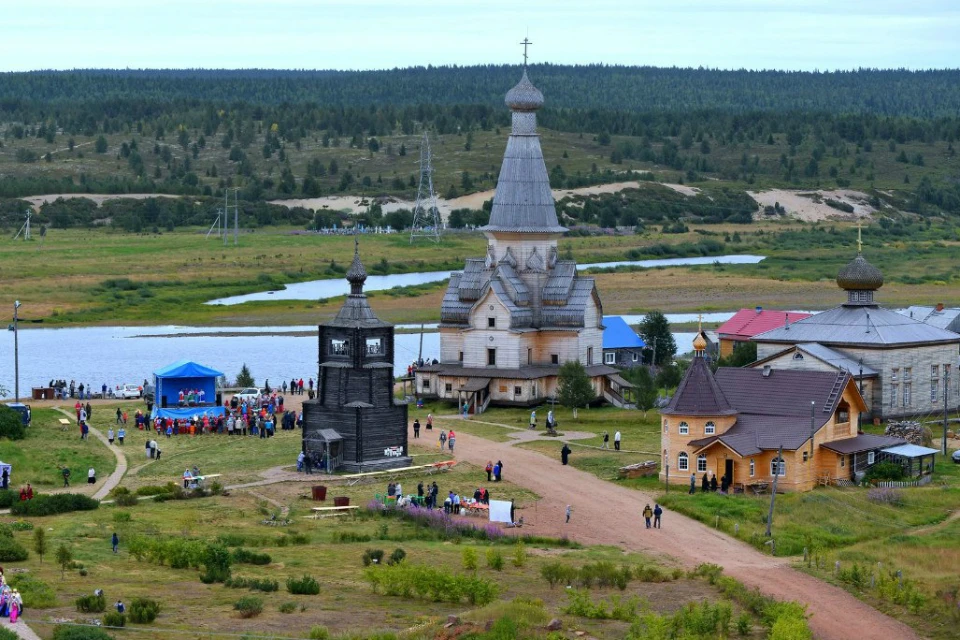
(684, 429)
(798, 356)
(908, 373)
(753, 467)
(778, 467)
(871, 457)
(374, 347)
(529, 356)
(806, 455)
(894, 391)
(609, 357)
(491, 357)
(589, 355)
(448, 387)
(894, 373)
(554, 358)
(934, 371)
(683, 464)
(533, 390)
(843, 414)
(907, 394)
(460, 358)
(666, 426)
(701, 463)
(426, 384)
(518, 391)
(636, 356)
(710, 429)
(492, 323)
(934, 389)
(338, 347)
(843, 461)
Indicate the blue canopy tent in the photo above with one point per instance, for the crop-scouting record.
(186, 375)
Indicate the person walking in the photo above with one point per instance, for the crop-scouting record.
(498, 471)
(429, 422)
(647, 514)
(569, 509)
(533, 419)
(443, 439)
(657, 512)
(489, 470)
(565, 454)
(693, 483)
(416, 427)
(705, 483)
(121, 434)
(110, 435)
(115, 541)
(606, 440)
(550, 420)
(92, 476)
(119, 415)
(66, 476)
(616, 440)
(451, 440)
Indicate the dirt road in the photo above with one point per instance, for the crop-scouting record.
(604, 513)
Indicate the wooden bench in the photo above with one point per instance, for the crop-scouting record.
(326, 512)
(436, 467)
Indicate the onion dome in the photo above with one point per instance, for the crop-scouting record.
(524, 96)
(860, 275)
(356, 274)
(700, 343)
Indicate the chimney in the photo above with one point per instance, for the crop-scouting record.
(766, 371)
(939, 307)
(786, 325)
(759, 309)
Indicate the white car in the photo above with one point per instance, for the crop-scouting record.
(127, 391)
(250, 394)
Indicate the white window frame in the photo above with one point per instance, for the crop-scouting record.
(666, 426)
(871, 457)
(753, 467)
(683, 462)
(934, 390)
(709, 429)
(894, 373)
(780, 469)
(908, 394)
(908, 373)
(609, 357)
(636, 356)
(701, 463)
(843, 461)
(894, 392)
(684, 429)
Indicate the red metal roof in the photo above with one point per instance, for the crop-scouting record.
(747, 323)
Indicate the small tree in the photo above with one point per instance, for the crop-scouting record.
(64, 558)
(646, 389)
(40, 543)
(655, 331)
(245, 378)
(574, 388)
(100, 146)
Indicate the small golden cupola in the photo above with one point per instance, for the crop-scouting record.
(700, 341)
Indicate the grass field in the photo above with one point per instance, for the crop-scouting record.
(48, 446)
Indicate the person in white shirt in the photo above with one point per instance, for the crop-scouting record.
(616, 441)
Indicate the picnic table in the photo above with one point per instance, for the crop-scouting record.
(475, 508)
(326, 512)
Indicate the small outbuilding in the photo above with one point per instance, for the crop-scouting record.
(915, 460)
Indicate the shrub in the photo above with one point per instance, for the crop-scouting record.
(249, 606)
(11, 550)
(744, 624)
(254, 584)
(883, 495)
(430, 583)
(7, 498)
(65, 632)
(91, 604)
(245, 556)
(494, 559)
(123, 497)
(11, 424)
(372, 556)
(151, 490)
(469, 555)
(216, 560)
(21, 525)
(144, 610)
(288, 607)
(884, 471)
(36, 593)
(557, 573)
(319, 632)
(397, 556)
(114, 619)
(790, 629)
(52, 504)
(519, 554)
(122, 516)
(305, 585)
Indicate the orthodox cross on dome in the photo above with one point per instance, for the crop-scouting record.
(526, 42)
(859, 237)
(699, 322)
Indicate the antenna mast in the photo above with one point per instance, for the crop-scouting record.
(25, 229)
(426, 215)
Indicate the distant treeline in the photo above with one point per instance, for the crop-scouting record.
(898, 92)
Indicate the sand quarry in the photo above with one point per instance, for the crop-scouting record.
(809, 206)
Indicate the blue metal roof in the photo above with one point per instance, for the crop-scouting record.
(617, 334)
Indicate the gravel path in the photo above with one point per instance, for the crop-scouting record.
(20, 628)
(114, 478)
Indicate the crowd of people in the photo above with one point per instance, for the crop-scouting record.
(11, 602)
(428, 496)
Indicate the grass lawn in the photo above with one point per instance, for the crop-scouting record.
(36, 459)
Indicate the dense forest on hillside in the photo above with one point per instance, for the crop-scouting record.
(291, 134)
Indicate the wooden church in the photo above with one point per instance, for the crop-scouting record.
(354, 423)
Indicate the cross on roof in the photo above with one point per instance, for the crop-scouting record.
(699, 322)
(526, 42)
(859, 238)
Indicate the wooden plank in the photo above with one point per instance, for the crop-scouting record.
(64, 421)
(335, 508)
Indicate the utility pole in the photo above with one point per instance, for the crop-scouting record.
(813, 428)
(773, 492)
(860, 413)
(946, 393)
(16, 353)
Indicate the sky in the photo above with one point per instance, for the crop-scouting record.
(376, 34)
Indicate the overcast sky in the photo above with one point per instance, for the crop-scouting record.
(373, 34)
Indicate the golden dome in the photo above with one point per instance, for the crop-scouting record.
(700, 342)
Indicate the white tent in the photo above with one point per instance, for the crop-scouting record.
(500, 511)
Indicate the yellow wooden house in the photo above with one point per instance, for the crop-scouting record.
(733, 423)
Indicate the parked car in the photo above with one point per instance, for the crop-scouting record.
(250, 394)
(956, 456)
(128, 391)
(23, 410)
